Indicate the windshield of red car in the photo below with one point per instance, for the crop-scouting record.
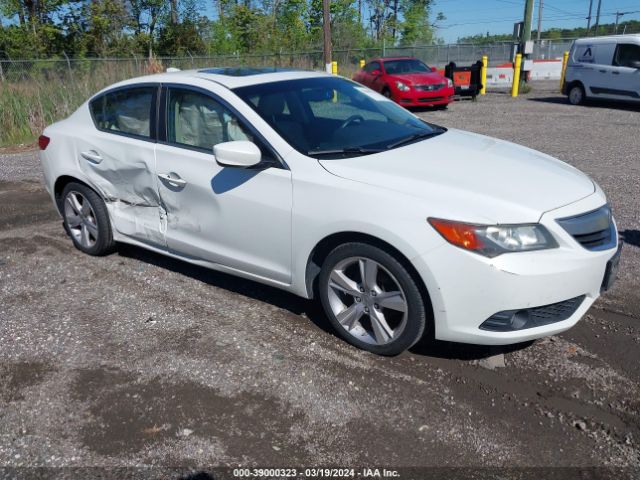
(409, 65)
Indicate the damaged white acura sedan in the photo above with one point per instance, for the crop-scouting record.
(319, 186)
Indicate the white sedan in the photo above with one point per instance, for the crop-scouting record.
(319, 186)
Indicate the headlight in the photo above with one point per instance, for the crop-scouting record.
(493, 240)
(403, 87)
(449, 82)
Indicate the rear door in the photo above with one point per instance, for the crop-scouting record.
(117, 154)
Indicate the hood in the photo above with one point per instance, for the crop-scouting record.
(420, 78)
(470, 177)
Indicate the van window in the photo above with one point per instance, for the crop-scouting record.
(585, 53)
(125, 111)
(626, 55)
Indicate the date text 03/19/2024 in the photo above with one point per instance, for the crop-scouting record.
(315, 473)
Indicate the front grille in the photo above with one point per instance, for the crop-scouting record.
(510, 320)
(430, 88)
(430, 99)
(593, 230)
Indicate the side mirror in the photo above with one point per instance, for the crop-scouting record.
(434, 69)
(375, 73)
(242, 154)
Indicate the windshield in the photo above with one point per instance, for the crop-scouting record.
(330, 117)
(410, 65)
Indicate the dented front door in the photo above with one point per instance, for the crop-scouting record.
(240, 218)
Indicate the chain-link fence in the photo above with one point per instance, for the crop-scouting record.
(19, 70)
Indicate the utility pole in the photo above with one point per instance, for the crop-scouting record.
(526, 37)
(589, 17)
(618, 15)
(597, 18)
(326, 24)
(540, 7)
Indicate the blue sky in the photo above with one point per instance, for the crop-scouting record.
(469, 17)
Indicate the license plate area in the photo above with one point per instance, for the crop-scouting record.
(611, 272)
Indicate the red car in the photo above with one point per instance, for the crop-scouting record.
(407, 81)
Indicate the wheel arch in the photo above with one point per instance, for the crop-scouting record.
(62, 181)
(575, 83)
(322, 249)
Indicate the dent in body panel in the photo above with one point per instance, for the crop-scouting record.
(126, 178)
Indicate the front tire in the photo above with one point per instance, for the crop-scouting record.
(576, 95)
(86, 219)
(371, 299)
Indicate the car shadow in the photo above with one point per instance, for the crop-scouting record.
(427, 346)
(197, 476)
(426, 109)
(263, 293)
(631, 237)
(430, 347)
(561, 100)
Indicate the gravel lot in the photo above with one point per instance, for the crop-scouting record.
(136, 359)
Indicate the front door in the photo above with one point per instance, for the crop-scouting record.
(240, 218)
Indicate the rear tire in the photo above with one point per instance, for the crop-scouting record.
(371, 300)
(86, 219)
(576, 95)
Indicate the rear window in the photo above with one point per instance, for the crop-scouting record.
(126, 111)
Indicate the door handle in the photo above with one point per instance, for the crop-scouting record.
(174, 180)
(92, 156)
(616, 73)
(602, 71)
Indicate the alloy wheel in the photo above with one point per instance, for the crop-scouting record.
(81, 219)
(367, 300)
(575, 96)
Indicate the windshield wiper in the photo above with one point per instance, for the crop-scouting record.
(344, 151)
(415, 137)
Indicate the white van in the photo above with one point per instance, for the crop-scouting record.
(605, 68)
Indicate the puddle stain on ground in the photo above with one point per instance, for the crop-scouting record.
(15, 377)
(126, 415)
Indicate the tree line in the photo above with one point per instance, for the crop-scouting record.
(112, 28)
(628, 26)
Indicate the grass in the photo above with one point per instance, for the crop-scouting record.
(33, 96)
(28, 105)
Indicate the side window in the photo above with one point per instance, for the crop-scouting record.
(372, 66)
(585, 54)
(626, 55)
(197, 120)
(127, 111)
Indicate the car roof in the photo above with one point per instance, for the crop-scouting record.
(610, 38)
(230, 77)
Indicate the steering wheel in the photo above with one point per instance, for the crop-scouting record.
(350, 120)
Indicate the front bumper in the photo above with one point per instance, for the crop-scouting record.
(466, 289)
(419, 98)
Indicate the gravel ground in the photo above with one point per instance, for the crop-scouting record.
(135, 359)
